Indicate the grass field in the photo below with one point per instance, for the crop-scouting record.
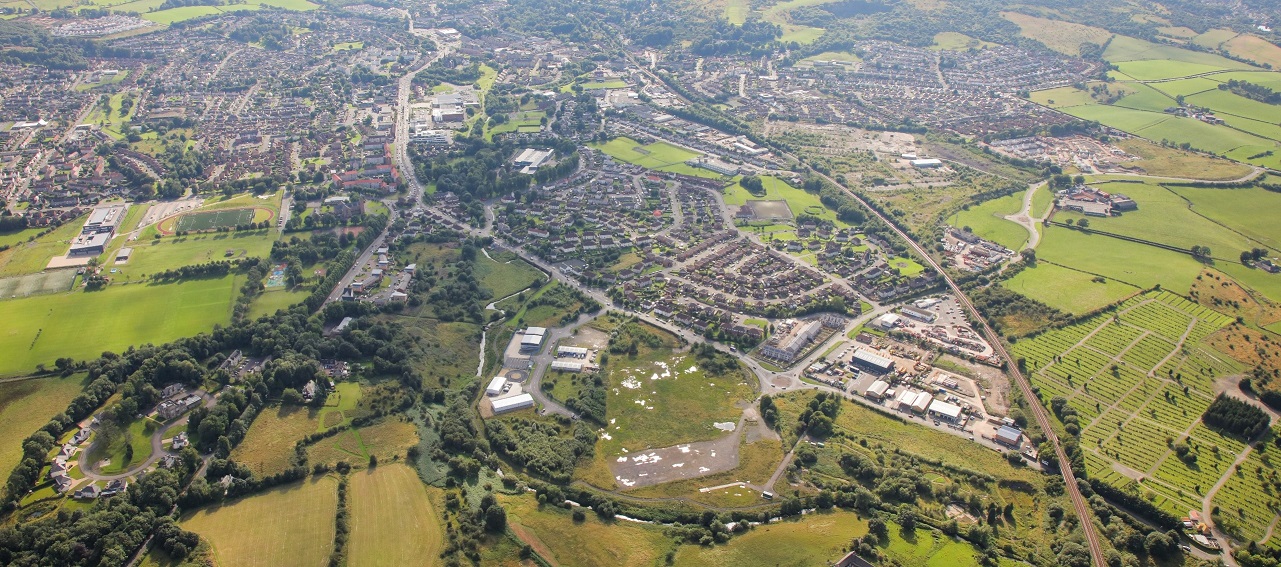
(504, 274)
(82, 325)
(1169, 162)
(229, 218)
(289, 525)
(953, 41)
(776, 189)
(1063, 37)
(822, 539)
(384, 440)
(271, 300)
(524, 121)
(553, 533)
(32, 257)
(987, 220)
(657, 155)
(26, 406)
(268, 447)
(1067, 290)
(1138, 379)
(156, 255)
(138, 436)
(392, 519)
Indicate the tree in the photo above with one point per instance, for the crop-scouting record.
(1029, 256)
(1083, 223)
(906, 518)
(495, 519)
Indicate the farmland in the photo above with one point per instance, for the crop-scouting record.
(289, 525)
(551, 531)
(26, 406)
(44, 327)
(392, 519)
(385, 440)
(1066, 289)
(268, 448)
(987, 220)
(1140, 380)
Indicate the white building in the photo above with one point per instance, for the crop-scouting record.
(567, 366)
(513, 403)
(872, 361)
(945, 411)
(569, 351)
(887, 321)
(877, 390)
(495, 386)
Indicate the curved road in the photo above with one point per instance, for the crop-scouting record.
(157, 449)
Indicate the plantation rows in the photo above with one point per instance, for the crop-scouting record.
(1249, 499)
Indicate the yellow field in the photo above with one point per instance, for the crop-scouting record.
(383, 440)
(290, 525)
(269, 445)
(556, 536)
(392, 520)
(1063, 37)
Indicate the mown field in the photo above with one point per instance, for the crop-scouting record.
(660, 156)
(26, 406)
(30, 257)
(504, 274)
(798, 200)
(1140, 381)
(1066, 289)
(268, 447)
(385, 441)
(392, 519)
(82, 325)
(289, 525)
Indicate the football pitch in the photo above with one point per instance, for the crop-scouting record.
(212, 220)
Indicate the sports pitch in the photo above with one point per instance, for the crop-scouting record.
(211, 220)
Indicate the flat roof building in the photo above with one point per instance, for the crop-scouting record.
(872, 361)
(887, 321)
(922, 315)
(946, 411)
(495, 386)
(89, 244)
(927, 163)
(567, 366)
(540, 331)
(577, 352)
(1009, 436)
(513, 403)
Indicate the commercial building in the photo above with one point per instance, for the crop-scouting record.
(567, 366)
(927, 163)
(872, 361)
(887, 321)
(532, 339)
(569, 351)
(945, 411)
(89, 244)
(1009, 436)
(922, 315)
(877, 390)
(922, 403)
(513, 403)
(531, 159)
(495, 386)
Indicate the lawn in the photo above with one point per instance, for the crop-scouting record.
(289, 525)
(555, 535)
(26, 406)
(340, 405)
(270, 301)
(268, 447)
(736, 11)
(660, 399)
(31, 257)
(392, 519)
(136, 435)
(503, 274)
(822, 539)
(1067, 290)
(798, 200)
(987, 220)
(18, 237)
(656, 155)
(523, 121)
(82, 325)
(211, 220)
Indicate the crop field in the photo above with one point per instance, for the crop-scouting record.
(212, 220)
(1068, 290)
(26, 406)
(987, 220)
(657, 155)
(289, 525)
(1246, 508)
(1063, 37)
(1170, 162)
(798, 200)
(556, 536)
(82, 325)
(659, 399)
(1140, 380)
(384, 440)
(392, 519)
(268, 447)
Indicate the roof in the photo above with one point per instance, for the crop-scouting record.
(528, 339)
(513, 403)
(873, 359)
(1007, 433)
(571, 350)
(945, 409)
(496, 384)
(889, 319)
(566, 365)
(540, 331)
(923, 400)
(878, 387)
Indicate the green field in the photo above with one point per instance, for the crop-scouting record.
(156, 255)
(1247, 210)
(1137, 379)
(26, 406)
(1136, 264)
(987, 220)
(657, 155)
(504, 274)
(552, 532)
(18, 237)
(82, 325)
(798, 200)
(136, 435)
(953, 41)
(1067, 290)
(289, 525)
(385, 440)
(523, 121)
(32, 257)
(822, 539)
(268, 447)
(392, 520)
(229, 218)
(270, 301)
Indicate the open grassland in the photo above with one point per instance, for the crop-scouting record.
(1136, 264)
(289, 525)
(1169, 162)
(1247, 210)
(1063, 37)
(757, 461)
(1254, 48)
(557, 537)
(26, 406)
(798, 200)
(1124, 48)
(1067, 290)
(656, 155)
(504, 274)
(31, 257)
(268, 448)
(385, 440)
(18, 237)
(987, 220)
(81, 325)
(272, 300)
(445, 350)
(822, 539)
(392, 519)
(157, 255)
(1140, 380)
(659, 399)
(953, 41)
